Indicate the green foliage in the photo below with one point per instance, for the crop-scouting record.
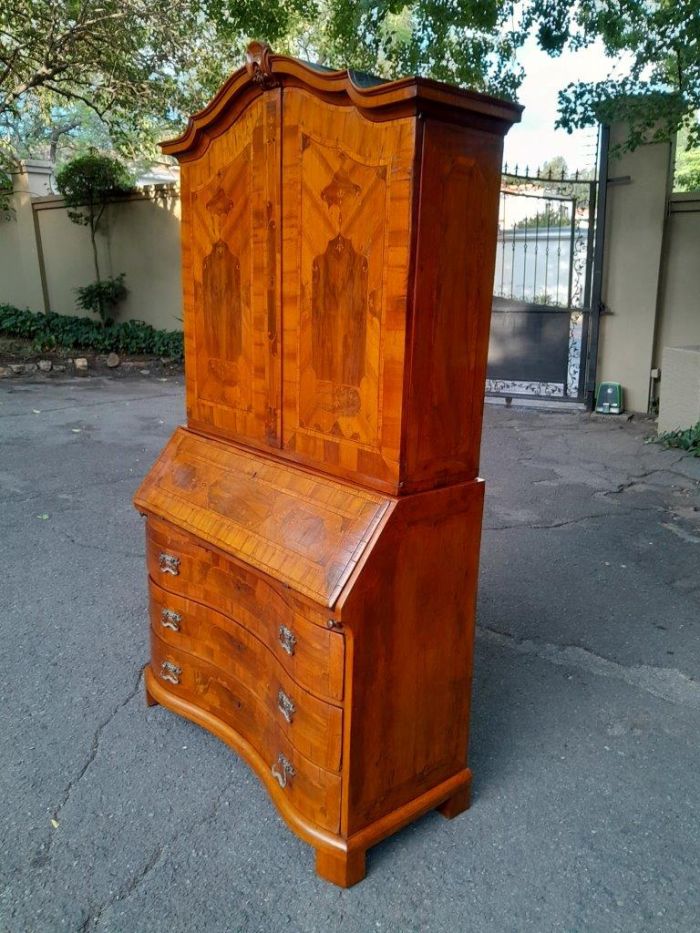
(102, 297)
(687, 168)
(688, 440)
(142, 66)
(655, 44)
(88, 182)
(127, 60)
(467, 42)
(551, 216)
(5, 189)
(51, 330)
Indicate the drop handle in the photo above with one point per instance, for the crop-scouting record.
(286, 706)
(169, 563)
(170, 672)
(170, 619)
(282, 770)
(287, 639)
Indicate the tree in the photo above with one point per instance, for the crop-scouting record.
(140, 65)
(144, 65)
(549, 216)
(658, 44)
(555, 168)
(88, 184)
(467, 42)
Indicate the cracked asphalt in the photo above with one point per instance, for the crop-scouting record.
(586, 713)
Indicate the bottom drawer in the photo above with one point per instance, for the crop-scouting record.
(312, 791)
(313, 726)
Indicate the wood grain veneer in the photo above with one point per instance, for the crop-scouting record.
(313, 533)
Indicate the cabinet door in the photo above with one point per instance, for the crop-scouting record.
(347, 184)
(231, 260)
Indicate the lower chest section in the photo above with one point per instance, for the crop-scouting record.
(253, 661)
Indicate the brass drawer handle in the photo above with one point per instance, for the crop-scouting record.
(170, 672)
(287, 639)
(169, 563)
(285, 705)
(170, 619)
(284, 771)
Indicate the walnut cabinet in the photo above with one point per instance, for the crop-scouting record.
(313, 531)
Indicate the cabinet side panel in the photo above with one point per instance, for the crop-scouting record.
(411, 614)
(456, 248)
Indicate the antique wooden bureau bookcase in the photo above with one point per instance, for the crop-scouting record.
(313, 532)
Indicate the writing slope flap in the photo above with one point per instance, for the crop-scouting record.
(305, 530)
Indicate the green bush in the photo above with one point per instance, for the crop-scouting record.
(58, 330)
(102, 297)
(88, 184)
(688, 440)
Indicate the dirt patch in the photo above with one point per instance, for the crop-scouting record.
(18, 357)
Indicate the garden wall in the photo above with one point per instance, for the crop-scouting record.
(44, 257)
(678, 322)
(651, 269)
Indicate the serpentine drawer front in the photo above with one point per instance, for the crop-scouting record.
(312, 533)
(298, 636)
(313, 791)
(313, 726)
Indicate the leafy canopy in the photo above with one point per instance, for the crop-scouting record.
(89, 182)
(142, 66)
(656, 46)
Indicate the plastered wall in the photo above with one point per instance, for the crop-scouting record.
(634, 235)
(20, 279)
(678, 323)
(140, 236)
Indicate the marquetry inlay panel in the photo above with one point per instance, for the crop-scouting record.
(345, 250)
(231, 271)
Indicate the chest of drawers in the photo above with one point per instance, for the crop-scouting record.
(313, 532)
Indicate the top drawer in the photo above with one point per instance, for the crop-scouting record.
(310, 653)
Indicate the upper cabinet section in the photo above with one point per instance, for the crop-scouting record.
(338, 243)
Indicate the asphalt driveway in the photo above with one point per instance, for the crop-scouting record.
(586, 723)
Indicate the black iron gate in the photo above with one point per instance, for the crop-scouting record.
(546, 287)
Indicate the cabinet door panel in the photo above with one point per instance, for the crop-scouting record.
(231, 247)
(345, 260)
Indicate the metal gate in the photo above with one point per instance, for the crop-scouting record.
(543, 333)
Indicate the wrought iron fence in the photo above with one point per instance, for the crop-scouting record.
(545, 237)
(542, 284)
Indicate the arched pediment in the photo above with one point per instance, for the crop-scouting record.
(375, 98)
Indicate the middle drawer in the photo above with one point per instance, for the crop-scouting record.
(311, 725)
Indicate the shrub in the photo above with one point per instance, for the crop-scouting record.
(688, 440)
(58, 330)
(102, 297)
(88, 184)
